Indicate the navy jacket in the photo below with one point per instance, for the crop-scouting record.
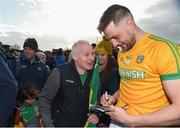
(8, 91)
(34, 73)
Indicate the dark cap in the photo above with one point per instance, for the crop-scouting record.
(31, 43)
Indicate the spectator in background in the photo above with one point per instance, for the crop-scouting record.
(66, 54)
(30, 115)
(50, 61)
(42, 57)
(109, 77)
(60, 59)
(28, 68)
(93, 45)
(8, 91)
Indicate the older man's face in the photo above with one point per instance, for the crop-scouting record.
(85, 57)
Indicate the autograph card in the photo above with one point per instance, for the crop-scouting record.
(99, 108)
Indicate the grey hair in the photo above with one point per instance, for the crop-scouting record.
(76, 45)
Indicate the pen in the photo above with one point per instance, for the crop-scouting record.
(106, 96)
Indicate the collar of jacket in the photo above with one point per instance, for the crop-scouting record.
(24, 58)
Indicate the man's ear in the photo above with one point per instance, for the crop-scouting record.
(131, 25)
(74, 56)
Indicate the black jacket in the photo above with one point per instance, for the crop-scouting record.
(70, 106)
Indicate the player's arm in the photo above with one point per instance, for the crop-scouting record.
(168, 116)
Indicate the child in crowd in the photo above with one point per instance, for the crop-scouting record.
(29, 110)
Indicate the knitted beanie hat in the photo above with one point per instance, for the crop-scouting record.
(104, 46)
(32, 43)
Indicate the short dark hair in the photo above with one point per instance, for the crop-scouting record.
(113, 13)
(93, 45)
(27, 91)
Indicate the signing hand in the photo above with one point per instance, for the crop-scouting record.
(111, 100)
